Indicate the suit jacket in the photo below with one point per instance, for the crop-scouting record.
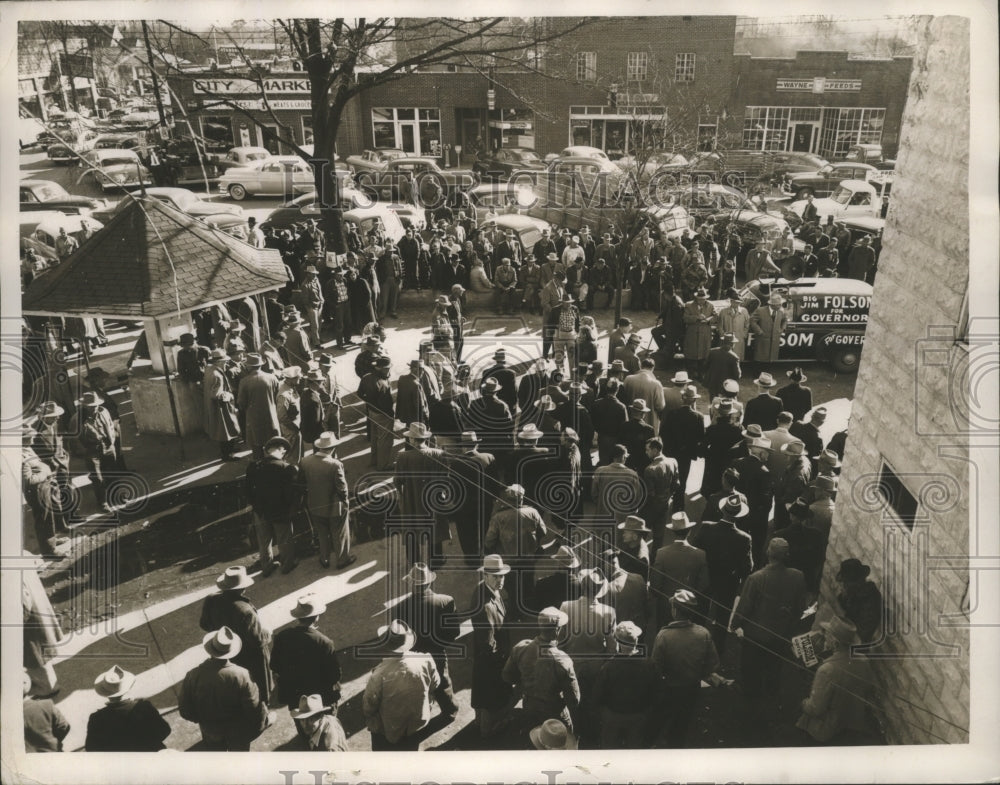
(476, 473)
(326, 485)
(305, 662)
(728, 554)
(411, 400)
(432, 618)
(236, 611)
(810, 435)
(767, 331)
(414, 468)
(128, 725)
(508, 384)
(643, 384)
(721, 364)
(755, 483)
(778, 460)
(796, 399)
(682, 432)
(616, 491)
(677, 565)
(490, 648)
(763, 410)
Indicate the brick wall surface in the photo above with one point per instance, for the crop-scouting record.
(905, 412)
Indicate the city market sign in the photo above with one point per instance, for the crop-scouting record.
(820, 84)
(285, 85)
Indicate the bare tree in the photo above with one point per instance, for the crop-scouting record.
(343, 58)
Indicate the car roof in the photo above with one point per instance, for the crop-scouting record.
(164, 191)
(40, 182)
(113, 152)
(249, 147)
(413, 158)
(362, 213)
(867, 222)
(511, 221)
(604, 163)
(823, 285)
(846, 164)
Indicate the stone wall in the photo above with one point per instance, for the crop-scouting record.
(908, 412)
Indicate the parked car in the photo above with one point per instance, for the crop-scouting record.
(793, 162)
(849, 199)
(378, 215)
(274, 176)
(374, 160)
(528, 230)
(827, 318)
(498, 198)
(116, 141)
(233, 225)
(47, 195)
(824, 181)
(305, 207)
(180, 198)
(583, 151)
(69, 146)
(430, 177)
(115, 169)
(39, 230)
(703, 200)
(870, 154)
(501, 164)
(244, 156)
(751, 227)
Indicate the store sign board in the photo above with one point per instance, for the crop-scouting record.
(274, 103)
(820, 84)
(223, 86)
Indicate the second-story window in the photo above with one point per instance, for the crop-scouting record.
(684, 67)
(586, 66)
(638, 64)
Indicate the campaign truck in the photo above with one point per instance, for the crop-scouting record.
(827, 318)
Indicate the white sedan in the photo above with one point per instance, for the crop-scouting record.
(274, 176)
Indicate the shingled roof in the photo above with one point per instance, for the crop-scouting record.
(153, 260)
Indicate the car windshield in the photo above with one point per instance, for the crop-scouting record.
(529, 155)
(815, 160)
(183, 199)
(842, 195)
(50, 192)
(826, 169)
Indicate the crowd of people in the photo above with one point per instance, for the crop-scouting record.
(606, 596)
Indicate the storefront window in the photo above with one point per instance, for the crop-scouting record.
(843, 128)
(417, 131)
(217, 131)
(766, 127)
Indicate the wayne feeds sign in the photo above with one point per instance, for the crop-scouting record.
(273, 85)
(820, 84)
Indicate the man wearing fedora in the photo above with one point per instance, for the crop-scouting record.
(625, 691)
(543, 675)
(682, 432)
(221, 417)
(635, 433)
(627, 592)
(312, 299)
(257, 403)
(659, 479)
(490, 417)
(274, 492)
(615, 488)
(672, 394)
(505, 376)
(678, 565)
(757, 485)
(47, 442)
(303, 659)
(824, 494)
(317, 724)
(222, 698)
(837, 708)
(627, 354)
(685, 656)
(796, 397)
(288, 403)
(434, 622)
(806, 547)
(562, 582)
(728, 553)
(476, 474)
(767, 614)
(412, 404)
(564, 322)
(763, 410)
(768, 324)
(779, 436)
(124, 724)
(791, 480)
(608, 414)
(298, 349)
(416, 466)
(698, 317)
(312, 402)
(491, 695)
(516, 530)
(735, 321)
(191, 359)
(722, 363)
(721, 437)
(730, 392)
(376, 393)
(632, 547)
(230, 607)
(396, 702)
(644, 384)
(327, 501)
(859, 599)
(809, 432)
(95, 435)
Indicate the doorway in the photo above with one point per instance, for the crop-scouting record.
(273, 145)
(802, 137)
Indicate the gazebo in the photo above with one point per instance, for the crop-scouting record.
(156, 264)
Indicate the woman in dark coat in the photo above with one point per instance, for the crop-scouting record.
(232, 608)
(360, 292)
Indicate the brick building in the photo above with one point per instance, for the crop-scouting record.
(904, 498)
(820, 102)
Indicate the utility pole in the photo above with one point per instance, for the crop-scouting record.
(156, 79)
